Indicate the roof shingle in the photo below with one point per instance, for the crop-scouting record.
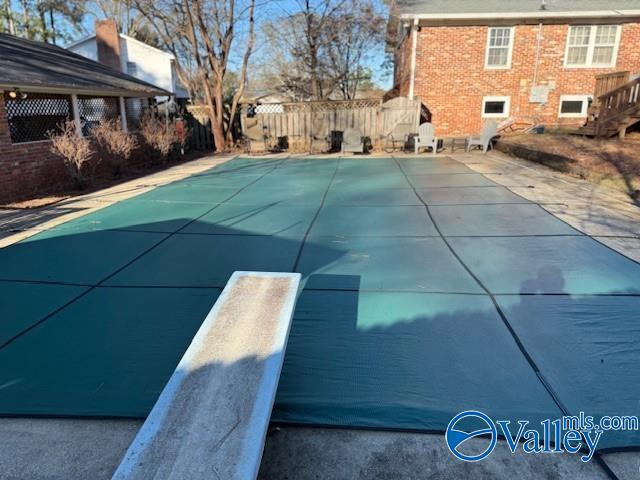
(27, 63)
(448, 7)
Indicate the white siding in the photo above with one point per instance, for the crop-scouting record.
(152, 65)
(87, 49)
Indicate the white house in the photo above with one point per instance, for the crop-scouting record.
(130, 56)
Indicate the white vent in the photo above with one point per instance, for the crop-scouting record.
(132, 68)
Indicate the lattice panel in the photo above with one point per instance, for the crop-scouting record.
(270, 108)
(331, 105)
(32, 117)
(93, 110)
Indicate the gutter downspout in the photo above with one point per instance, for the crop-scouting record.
(538, 108)
(414, 46)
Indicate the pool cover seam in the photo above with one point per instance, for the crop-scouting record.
(519, 343)
(532, 363)
(364, 290)
(593, 237)
(315, 217)
(541, 205)
(501, 314)
(136, 258)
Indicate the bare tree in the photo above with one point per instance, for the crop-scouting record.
(7, 13)
(128, 19)
(201, 35)
(318, 49)
(37, 19)
(299, 40)
(353, 35)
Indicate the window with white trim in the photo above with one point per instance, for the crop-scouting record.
(499, 47)
(496, 107)
(574, 106)
(592, 46)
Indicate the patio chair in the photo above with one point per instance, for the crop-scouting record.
(352, 141)
(483, 141)
(319, 135)
(426, 138)
(253, 136)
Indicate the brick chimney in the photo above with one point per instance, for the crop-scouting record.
(108, 43)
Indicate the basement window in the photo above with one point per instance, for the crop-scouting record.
(574, 106)
(496, 107)
(592, 46)
(499, 47)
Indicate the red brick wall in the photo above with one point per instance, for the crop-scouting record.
(27, 168)
(30, 169)
(451, 78)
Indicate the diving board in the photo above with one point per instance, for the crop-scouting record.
(211, 419)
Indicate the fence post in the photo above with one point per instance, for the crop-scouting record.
(75, 110)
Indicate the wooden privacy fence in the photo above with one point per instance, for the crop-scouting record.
(309, 125)
(199, 128)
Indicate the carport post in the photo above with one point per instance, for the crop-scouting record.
(123, 115)
(76, 114)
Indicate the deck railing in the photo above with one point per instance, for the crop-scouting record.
(617, 104)
(607, 82)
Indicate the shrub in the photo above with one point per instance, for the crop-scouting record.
(159, 136)
(75, 151)
(113, 144)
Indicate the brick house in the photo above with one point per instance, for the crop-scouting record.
(535, 60)
(42, 85)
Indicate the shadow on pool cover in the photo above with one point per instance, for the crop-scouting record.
(70, 344)
(412, 361)
(76, 341)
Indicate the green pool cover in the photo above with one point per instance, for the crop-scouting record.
(428, 290)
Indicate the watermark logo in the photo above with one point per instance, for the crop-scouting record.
(570, 434)
(458, 434)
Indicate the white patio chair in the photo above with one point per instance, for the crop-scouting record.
(483, 141)
(426, 138)
(352, 141)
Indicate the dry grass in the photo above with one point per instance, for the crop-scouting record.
(610, 161)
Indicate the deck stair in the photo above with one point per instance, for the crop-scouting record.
(614, 110)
